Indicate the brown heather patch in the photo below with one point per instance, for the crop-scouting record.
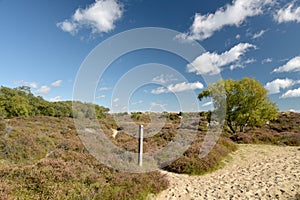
(190, 163)
(283, 131)
(43, 158)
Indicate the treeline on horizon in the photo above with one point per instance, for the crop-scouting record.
(21, 102)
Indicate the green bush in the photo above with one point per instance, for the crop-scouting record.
(2, 125)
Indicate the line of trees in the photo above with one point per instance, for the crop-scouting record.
(20, 102)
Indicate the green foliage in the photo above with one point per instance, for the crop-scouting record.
(18, 106)
(173, 116)
(141, 118)
(2, 124)
(136, 115)
(88, 110)
(245, 101)
(20, 102)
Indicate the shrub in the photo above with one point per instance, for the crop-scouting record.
(190, 163)
(42, 163)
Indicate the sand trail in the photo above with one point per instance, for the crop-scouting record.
(252, 172)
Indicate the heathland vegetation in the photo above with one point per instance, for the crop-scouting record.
(42, 156)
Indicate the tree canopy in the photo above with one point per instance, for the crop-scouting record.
(245, 101)
(20, 102)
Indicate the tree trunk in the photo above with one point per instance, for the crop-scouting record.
(231, 127)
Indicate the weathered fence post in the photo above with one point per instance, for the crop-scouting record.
(141, 133)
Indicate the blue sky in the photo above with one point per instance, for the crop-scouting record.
(44, 43)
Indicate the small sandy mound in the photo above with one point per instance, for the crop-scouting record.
(252, 172)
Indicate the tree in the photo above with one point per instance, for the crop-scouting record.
(245, 101)
(18, 106)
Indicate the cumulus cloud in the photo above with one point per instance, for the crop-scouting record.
(292, 65)
(164, 78)
(235, 14)
(54, 99)
(154, 104)
(137, 102)
(288, 14)
(104, 89)
(259, 34)
(116, 100)
(211, 63)
(99, 16)
(242, 64)
(179, 87)
(207, 104)
(44, 90)
(56, 83)
(25, 83)
(291, 93)
(68, 26)
(293, 110)
(274, 86)
(267, 60)
(101, 96)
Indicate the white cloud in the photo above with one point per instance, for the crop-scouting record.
(293, 110)
(288, 14)
(137, 102)
(179, 87)
(237, 65)
(267, 60)
(211, 63)
(259, 34)
(235, 14)
(242, 64)
(99, 16)
(68, 26)
(25, 83)
(57, 98)
(101, 96)
(292, 65)
(291, 93)
(238, 36)
(207, 104)
(154, 104)
(57, 83)
(116, 100)
(164, 78)
(104, 89)
(274, 86)
(44, 90)
(249, 61)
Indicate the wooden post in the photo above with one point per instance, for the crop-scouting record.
(141, 133)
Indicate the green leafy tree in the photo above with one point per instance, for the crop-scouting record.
(245, 101)
(18, 106)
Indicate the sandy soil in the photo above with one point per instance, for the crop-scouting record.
(252, 172)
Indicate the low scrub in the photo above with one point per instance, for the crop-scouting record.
(285, 130)
(190, 163)
(43, 158)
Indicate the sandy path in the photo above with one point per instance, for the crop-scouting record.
(252, 172)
